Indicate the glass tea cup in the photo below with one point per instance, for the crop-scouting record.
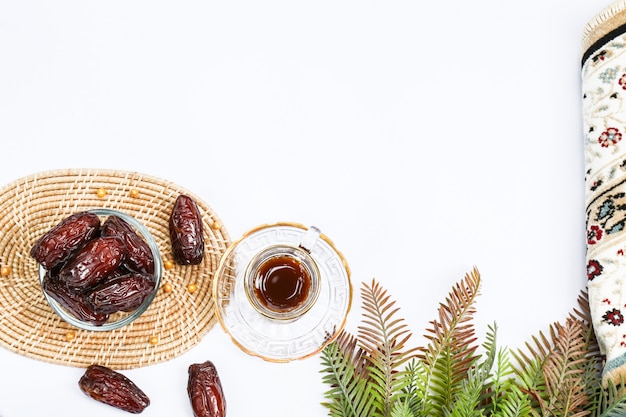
(282, 291)
(282, 282)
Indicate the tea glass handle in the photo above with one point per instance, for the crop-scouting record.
(310, 238)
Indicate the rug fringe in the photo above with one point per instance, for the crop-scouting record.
(601, 18)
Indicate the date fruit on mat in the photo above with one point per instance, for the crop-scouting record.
(205, 391)
(75, 303)
(139, 257)
(186, 231)
(58, 244)
(94, 262)
(110, 387)
(124, 293)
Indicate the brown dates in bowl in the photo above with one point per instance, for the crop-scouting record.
(58, 244)
(123, 293)
(105, 283)
(97, 260)
(139, 256)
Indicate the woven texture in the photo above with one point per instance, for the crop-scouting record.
(175, 321)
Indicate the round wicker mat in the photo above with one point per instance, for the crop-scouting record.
(176, 320)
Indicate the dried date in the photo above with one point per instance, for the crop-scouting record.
(124, 293)
(139, 257)
(99, 258)
(186, 231)
(58, 244)
(75, 304)
(205, 391)
(112, 388)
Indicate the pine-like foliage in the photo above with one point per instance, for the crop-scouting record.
(383, 337)
(553, 373)
(345, 371)
(378, 374)
(451, 351)
(368, 379)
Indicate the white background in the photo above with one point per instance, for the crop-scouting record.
(423, 137)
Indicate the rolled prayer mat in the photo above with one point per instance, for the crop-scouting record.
(604, 124)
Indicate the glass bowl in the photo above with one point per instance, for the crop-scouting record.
(119, 319)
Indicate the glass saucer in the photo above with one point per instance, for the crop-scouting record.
(282, 340)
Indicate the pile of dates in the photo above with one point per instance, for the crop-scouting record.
(94, 268)
(110, 387)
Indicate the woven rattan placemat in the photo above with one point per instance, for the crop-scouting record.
(176, 320)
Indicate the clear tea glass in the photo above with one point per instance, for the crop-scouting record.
(282, 282)
(282, 291)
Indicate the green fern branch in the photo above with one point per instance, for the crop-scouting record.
(514, 404)
(529, 371)
(451, 350)
(610, 401)
(496, 384)
(505, 399)
(414, 391)
(376, 374)
(466, 403)
(383, 336)
(349, 394)
(563, 371)
(582, 314)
